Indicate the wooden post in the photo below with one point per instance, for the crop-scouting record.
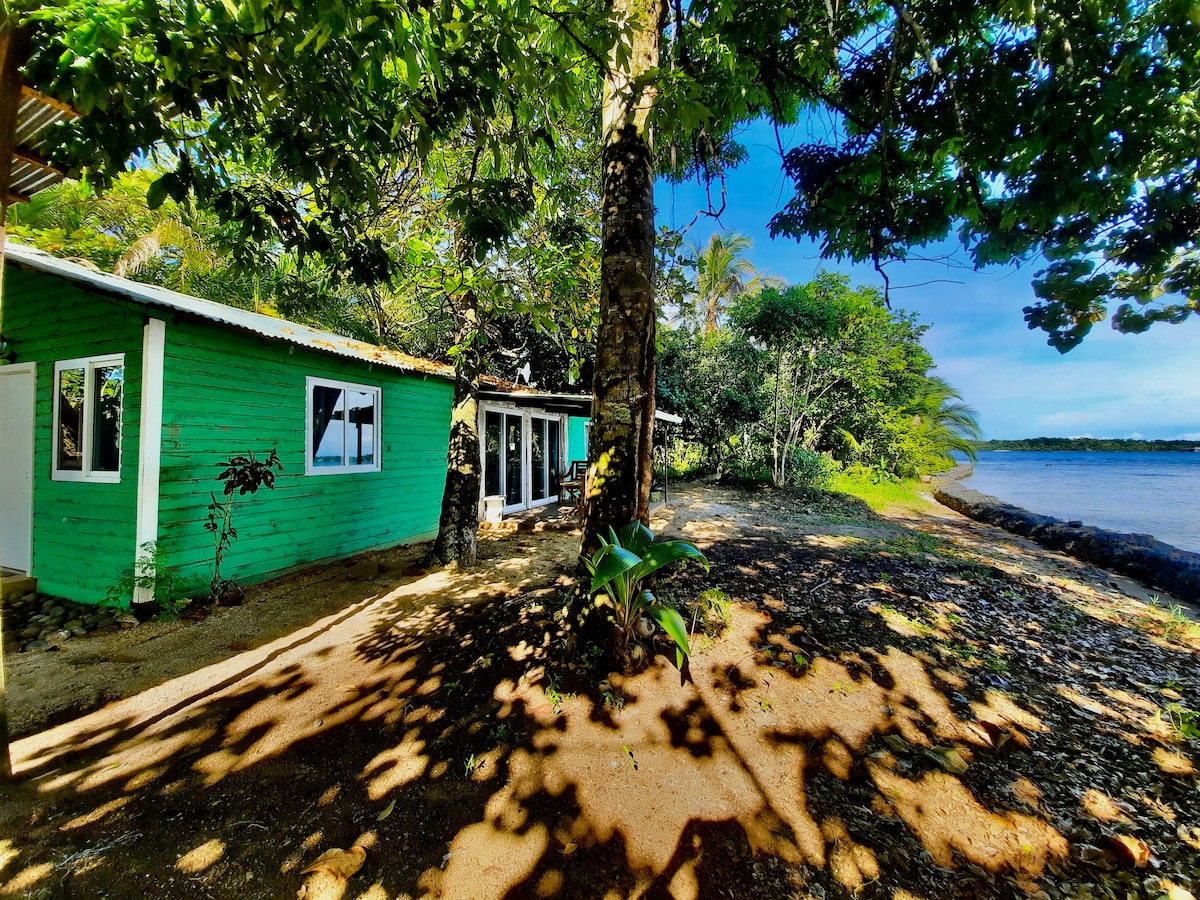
(14, 45)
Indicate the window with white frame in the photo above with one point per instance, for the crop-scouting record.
(343, 427)
(88, 399)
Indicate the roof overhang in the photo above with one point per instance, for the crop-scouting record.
(267, 326)
(571, 404)
(31, 170)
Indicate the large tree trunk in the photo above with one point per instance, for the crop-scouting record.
(459, 525)
(618, 484)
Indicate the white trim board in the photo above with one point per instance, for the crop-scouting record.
(154, 341)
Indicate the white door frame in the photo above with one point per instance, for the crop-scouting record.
(527, 416)
(25, 562)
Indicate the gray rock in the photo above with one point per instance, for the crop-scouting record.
(1139, 556)
(60, 635)
(78, 632)
(30, 632)
(37, 645)
(72, 624)
(128, 620)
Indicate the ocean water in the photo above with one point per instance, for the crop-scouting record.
(1149, 493)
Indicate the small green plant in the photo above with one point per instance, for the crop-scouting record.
(470, 764)
(151, 574)
(619, 568)
(242, 475)
(1184, 722)
(713, 612)
(801, 663)
(553, 694)
(765, 703)
(503, 733)
(630, 761)
(613, 698)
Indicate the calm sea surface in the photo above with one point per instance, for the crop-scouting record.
(1151, 493)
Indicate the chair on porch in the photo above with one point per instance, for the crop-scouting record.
(571, 486)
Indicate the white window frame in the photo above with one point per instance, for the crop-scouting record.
(313, 381)
(89, 364)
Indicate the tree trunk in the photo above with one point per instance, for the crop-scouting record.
(459, 525)
(618, 483)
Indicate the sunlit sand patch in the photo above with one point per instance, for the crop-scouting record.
(486, 861)
(1027, 792)
(396, 766)
(7, 853)
(852, 864)
(200, 858)
(95, 815)
(915, 698)
(1172, 763)
(1100, 806)
(1002, 709)
(27, 878)
(946, 817)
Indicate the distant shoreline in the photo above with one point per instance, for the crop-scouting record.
(1088, 445)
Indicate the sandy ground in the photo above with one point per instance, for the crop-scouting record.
(445, 722)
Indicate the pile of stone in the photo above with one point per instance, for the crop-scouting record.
(41, 622)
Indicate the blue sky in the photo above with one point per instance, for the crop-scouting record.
(1113, 385)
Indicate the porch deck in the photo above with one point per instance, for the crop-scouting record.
(15, 584)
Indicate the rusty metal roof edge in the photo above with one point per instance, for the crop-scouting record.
(231, 316)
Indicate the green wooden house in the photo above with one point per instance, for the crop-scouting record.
(119, 401)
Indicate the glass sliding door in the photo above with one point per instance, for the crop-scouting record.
(537, 458)
(554, 445)
(492, 427)
(514, 488)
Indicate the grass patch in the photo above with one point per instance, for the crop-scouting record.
(886, 495)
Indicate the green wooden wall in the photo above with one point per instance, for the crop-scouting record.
(83, 532)
(576, 438)
(228, 392)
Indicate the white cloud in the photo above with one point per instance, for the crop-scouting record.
(1190, 436)
(1135, 436)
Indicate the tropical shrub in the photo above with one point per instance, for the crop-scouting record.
(619, 569)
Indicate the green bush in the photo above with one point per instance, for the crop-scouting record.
(812, 470)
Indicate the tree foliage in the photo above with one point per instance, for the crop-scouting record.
(1056, 129)
(815, 368)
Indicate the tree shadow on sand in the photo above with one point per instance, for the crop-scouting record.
(440, 726)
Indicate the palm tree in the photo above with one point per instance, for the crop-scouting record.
(943, 423)
(724, 275)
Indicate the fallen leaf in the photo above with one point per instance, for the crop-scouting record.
(896, 743)
(1129, 851)
(570, 848)
(338, 863)
(949, 759)
(386, 812)
(997, 736)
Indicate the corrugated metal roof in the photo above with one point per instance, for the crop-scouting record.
(31, 172)
(267, 326)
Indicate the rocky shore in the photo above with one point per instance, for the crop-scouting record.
(1151, 561)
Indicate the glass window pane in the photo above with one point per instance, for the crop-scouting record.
(328, 426)
(554, 435)
(360, 428)
(70, 419)
(107, 389)
(538, 451)
(491, 454)
(513, 493)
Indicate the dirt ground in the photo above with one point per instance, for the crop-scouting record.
(903, 706)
